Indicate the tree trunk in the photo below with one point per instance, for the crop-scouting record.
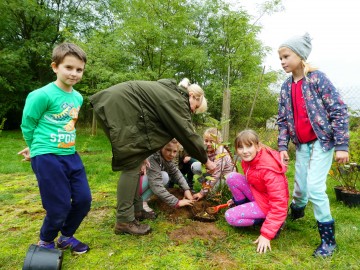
(93, 124)
(226, 109)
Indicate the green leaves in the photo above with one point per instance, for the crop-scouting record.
(136, 40)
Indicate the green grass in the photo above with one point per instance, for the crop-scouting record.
(21, 216)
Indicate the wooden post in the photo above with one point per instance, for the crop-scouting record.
(93, 124)
(226, 109)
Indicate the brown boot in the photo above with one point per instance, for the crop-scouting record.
(145, 215)
(133, 227)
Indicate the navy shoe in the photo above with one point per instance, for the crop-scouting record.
(75, 245)
(48, 245)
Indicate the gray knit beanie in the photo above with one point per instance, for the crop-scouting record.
(301, 45)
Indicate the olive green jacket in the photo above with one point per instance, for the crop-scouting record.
(140, 117)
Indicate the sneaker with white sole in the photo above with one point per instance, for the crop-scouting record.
(75, 245)
(147, 208)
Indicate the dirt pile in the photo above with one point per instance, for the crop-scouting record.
(196, 212)
(197, 229)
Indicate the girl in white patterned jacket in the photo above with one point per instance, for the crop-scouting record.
(222, 159)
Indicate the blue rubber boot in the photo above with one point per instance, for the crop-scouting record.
(296, 212)
(328, 243)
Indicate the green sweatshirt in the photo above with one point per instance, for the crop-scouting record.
(48, 122)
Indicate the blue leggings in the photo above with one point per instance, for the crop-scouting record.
(145, 190)
(64, 191)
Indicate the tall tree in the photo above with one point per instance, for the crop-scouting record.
(236, 59)
(133, 39)
(157, 33)
(29, 29)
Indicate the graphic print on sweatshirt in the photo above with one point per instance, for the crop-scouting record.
(66, 119)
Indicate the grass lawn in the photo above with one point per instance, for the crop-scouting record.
(21, 216)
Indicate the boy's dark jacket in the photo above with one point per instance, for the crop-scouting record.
(140, 117)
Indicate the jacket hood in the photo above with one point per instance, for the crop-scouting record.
(266, 158)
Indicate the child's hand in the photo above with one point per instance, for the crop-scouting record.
(198, 196)
(146, 164)
(26, 154)
(186, 159)
(284, 157)
(188, 195)
(341, 156)
(263, 244)
(185, 202)
(230, 202)
(210, 166)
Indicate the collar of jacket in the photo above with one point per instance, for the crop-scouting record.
(171, 82)
(266, 158)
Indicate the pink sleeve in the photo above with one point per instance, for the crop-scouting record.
(278, 197)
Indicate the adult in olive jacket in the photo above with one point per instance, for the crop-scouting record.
(139, 118)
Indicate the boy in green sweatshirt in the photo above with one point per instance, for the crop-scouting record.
(48, 127)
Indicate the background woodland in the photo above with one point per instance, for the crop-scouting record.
(202, 40)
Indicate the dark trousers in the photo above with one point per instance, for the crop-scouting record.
(64, 191)
(187, 172)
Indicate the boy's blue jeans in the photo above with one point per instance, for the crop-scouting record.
(311, 169)
(64, 191)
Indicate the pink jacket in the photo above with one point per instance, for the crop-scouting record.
(224, 165)
(266, 177)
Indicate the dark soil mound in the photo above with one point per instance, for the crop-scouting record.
(197, 211)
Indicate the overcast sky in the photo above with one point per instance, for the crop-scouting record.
(334, 26)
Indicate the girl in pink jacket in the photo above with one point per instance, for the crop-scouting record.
(262, 195)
